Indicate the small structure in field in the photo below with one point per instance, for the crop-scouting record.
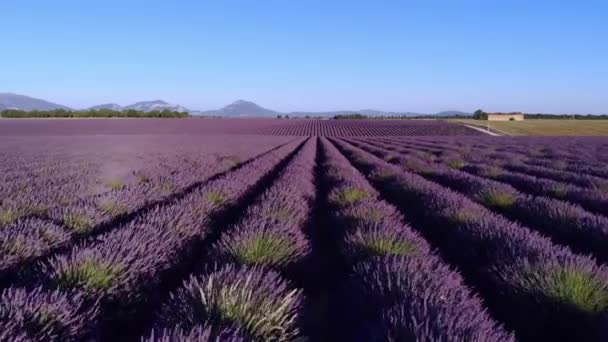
(514, 116)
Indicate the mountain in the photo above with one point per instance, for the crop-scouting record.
(14, 101)
(111, 106)
(241, 108)
(147, 106)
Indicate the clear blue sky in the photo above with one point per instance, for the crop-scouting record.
(425, 56)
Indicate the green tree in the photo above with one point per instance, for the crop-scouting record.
(480, 115)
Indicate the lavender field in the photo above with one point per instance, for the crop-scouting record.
(299, 230)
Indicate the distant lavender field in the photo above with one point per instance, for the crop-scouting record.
(281, 230)
(286, 127)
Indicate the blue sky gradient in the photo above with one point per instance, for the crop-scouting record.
(423, 56)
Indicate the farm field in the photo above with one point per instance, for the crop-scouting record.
(299, 230)
(198, 126)
(545, 127)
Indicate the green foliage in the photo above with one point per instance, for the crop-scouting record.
(496, 199)
(89, 274)
(112, 208)
(8, 216)
(493, 172)
(558, 190)
(114, 183)
(91, 113)
(462, 216)
(425, 156)
(262, 249)
(384, 175)
(455, 164)
(350, 195)
(141, 177)
(572, 287)
(79, 223)
(266, 319)
(167, 186)
(374, 245)
(214, 197)
(415, 167)
(350, 116)
(389, 158)
(480, 115)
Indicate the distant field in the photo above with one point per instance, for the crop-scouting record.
(254, 126)
(546, 127)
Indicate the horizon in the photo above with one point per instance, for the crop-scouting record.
(212, 109)
(313, 57)
(198, 111)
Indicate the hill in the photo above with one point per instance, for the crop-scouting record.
(147, 106)
(22, 102)
(241, 108)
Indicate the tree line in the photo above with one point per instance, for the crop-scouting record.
(481, 115)
(567, 116)
(91, 113)
(396, 117)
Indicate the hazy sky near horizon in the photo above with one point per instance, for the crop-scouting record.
(422, 56)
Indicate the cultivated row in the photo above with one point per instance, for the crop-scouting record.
(532, 285)
(98, 286)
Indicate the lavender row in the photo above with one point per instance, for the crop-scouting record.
(123, 270)
(571, 149)
(94, 211)
(592, 199)
(272, 230)
(17, 168)
(590, 182)
(549, 158)
(554, 165)
(398, 288)
(541, 290)
(31, 196)
(84, 174)
(297, 127)
(267, 239)
(230, 303)
(41, 315)
(25, 177)
(572, 166)
(28, 239)
(75, 198)
(564, 222)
